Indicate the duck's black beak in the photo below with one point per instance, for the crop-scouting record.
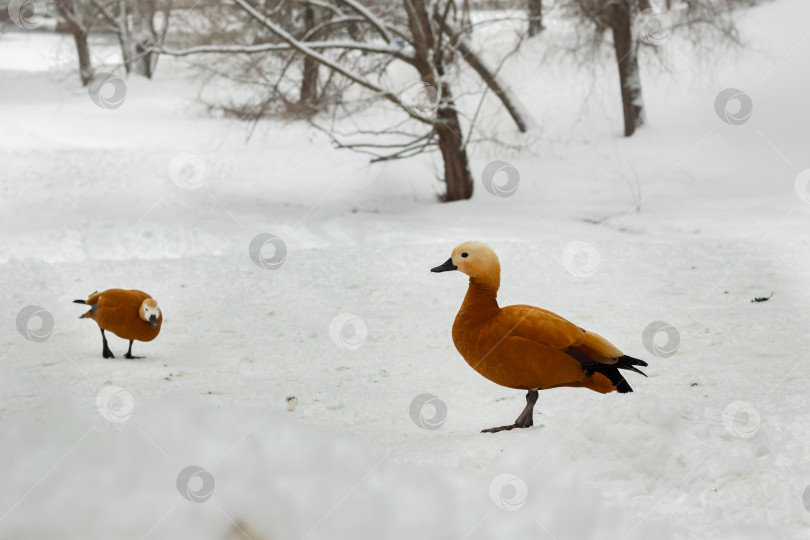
(153, 321)
(446, 267)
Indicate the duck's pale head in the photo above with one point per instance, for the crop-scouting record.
(477, 260)
(150, 312)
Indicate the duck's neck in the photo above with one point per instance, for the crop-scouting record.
(481, 301)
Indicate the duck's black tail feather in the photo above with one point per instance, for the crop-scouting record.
(629, 363)
(93, 308)
(611, 371)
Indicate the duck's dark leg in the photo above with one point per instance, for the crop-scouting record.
(524, 420)
(105, 352)
(129, 351)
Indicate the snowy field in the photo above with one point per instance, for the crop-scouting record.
(713, 445)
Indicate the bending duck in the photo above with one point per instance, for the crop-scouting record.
(525, 347)
(127, 314)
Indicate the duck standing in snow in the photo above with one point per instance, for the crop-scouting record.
(127, 314)
(525, 347)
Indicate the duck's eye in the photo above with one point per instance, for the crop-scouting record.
(464, 255)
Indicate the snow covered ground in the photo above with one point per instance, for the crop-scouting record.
(712, 445)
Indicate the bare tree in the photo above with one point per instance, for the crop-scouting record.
(620, 17)
(140, 26)
(535, 12)
(366, 40)
(309, 80)
(634, 24)
(78, 23)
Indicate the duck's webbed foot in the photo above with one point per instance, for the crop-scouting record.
(524, 420)
(501, 428)
(129, 355)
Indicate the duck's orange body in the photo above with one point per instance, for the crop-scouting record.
(129, 314)
(117, 312)
(525, 347)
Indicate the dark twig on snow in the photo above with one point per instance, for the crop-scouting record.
(762, 298)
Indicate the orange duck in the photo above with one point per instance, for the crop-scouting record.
(127, 314)
(525, 347)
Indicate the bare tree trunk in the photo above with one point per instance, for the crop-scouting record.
(143, 47)
(69, 12)
(429, 63)
(125, 36)
(621, 19)
(83, 50)
(457, 174)
(535, 10)
(466, 17)
(137, 35)
(309, 81)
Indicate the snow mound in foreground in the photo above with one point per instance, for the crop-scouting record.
(265, 476)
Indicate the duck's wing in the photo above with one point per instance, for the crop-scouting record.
(140, 295)
(551, 330)
(116, 300)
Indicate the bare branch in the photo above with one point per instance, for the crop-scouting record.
(304, 48)
(477, 63)
(370, 17)
(268, 47)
